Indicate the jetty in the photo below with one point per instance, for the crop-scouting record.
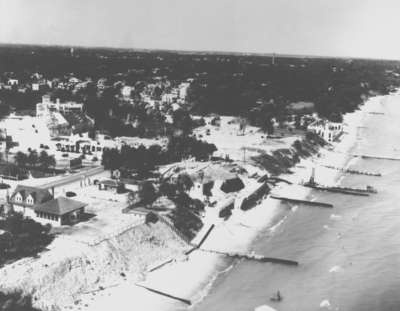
(278, 179)
(375, 112)
(253, 257)
(306, 202)
(354, 172)
(186, 301)
(344, 190)
(368, 156)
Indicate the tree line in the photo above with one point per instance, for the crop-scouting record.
(34, 159)
(142, 159)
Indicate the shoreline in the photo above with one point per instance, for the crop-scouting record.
(193, 277)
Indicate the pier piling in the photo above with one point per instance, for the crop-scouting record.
(312, 203)
(253, 257)
(186, 301)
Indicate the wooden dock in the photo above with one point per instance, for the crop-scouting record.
(278, 179)
(368, 156)
(354, 172)
(306, 202)
(349, 191)
(376, 112)
(186, 301)
(253, 257)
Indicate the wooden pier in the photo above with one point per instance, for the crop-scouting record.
(186, 301)
(368, 156)
(253, 257)
(354, 172)
(349, 191)
(278, 179)
(376, 112)
(306, 202)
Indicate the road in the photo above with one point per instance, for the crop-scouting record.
(73, 177)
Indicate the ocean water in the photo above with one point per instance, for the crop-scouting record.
(349, 256)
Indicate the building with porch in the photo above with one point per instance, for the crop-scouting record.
(59, 212)
(40, 205)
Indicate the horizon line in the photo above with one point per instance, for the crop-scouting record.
(199, 52)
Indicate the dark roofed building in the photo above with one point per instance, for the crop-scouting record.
(26, 198)
(60, 211)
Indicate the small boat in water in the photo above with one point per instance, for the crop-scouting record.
(277, 297)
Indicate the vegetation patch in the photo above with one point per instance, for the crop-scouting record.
(22, 237)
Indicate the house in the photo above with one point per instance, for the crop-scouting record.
(126, 90)
(26, 198)
(110, 184)
(40, 205)
(13, 82)
(59, 212)
(326, 129)
(183, 90)
(35, 87)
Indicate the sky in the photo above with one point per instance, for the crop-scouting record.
(346, 28)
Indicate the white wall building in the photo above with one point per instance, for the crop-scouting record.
(126, 90)
(329, 131)
(13, 82)
(183, 89)
(47, 106)
(82, 143)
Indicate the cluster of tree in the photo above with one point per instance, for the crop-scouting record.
(186, 214)
(34, 159)
(22, 237)
(142, 159)
(16, 302)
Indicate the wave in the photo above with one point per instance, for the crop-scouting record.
(203, 293)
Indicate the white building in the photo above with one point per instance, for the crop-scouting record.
(82, 143)
(168, 98)
(13, 82)
(46, 107)
(35, 86)
(329, 131)
(126, 90)
(183, 89)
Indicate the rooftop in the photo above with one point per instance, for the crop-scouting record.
(40, 195)
(60, 206)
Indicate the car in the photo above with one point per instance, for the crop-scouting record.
(70, 194)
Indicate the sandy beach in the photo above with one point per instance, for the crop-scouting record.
(191, 277)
